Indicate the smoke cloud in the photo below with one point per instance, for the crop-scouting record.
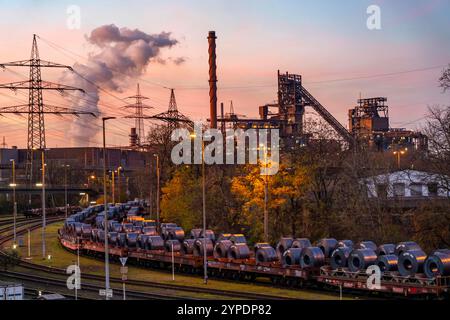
(120, 54)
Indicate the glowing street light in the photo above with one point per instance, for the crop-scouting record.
(399, 153)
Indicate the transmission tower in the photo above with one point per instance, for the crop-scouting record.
(172, 116)
(36, 109)
(138, 115)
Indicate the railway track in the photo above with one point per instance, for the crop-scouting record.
(137, 283)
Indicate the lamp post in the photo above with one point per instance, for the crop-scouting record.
(13, 185)
(113, 187)
(118, 184)
(266, 195)
(66, 204)
(107, 288)
(44, 218)
(157, 189)
(399, 153)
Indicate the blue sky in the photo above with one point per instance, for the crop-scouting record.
(322, 40)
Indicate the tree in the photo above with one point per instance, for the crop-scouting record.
(444, 80)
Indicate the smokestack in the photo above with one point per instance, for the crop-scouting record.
(212, 78)
(133, 137)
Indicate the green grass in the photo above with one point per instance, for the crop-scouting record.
(61, 258)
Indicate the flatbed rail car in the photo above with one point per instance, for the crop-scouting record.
(391, 282)
(249, 270)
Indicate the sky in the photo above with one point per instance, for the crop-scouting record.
(326, 41)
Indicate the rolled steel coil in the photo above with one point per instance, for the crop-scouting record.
(138, 223)
(367, 245)
(301, 243)
(361, 259)
(121, 239)
(284, 244)
(224, 236)
(238, 238)
(291, 257)
(312, 257)
(149, 231)
(442, 250)
(327, 246)
(238, 251)
(168, 225)
(438, 264)
(209, 234)
(127, 227)
(94, 233)
(385, 249)
(176, 233)
(339, 257)
(188, 246)
(260, 245)
(406, 246)
(149, 224)
(137, 229)
(86, 229)
(112, 237)
(117, 227)
(345, 243)
(155, 243)
(132, 238)
(199, 246)
(195, 233)
(387, 262)
(101, 236)
(143, 241)
(172, 243)
(221, 248)
(266, 254)
(411, 262)
(77, 228)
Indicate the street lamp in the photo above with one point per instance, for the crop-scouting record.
(65, 189)
(113, 187)
(107, 289)
(266, 195)
(157, 189)
(44, 221)
(399, 153)
(205, 260)
(14, 185)
(118, 183)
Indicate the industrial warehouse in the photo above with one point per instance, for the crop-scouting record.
(192, 165)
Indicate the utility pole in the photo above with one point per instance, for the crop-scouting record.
(107, 288)
(66, 202)
(205, 260)
(14, 185)
(36, 109)
(44, 222)
(157, 189)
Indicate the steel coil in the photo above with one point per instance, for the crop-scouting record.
(143, 241)
(312, 257)
(172, 244)
(116, 227)
(238, 251)
(284, 244)
(94, 234)
(176, 233)
(260, 245)
(188, 246)
(101, 236)
(224, 236)
(361, 259)
(387, 262)
(238, 238)
(301, 243)
(386, 249)
(150, 223)
(127, 227)
(266, 254)
(195, 233)
(406, 246)
(438, 264)
(137, 229)
(411, 262)
(366, 245)
(345, 243)
(132, 238)
(199, 246)
(86, 230)
(155, 243)
(149, 231)
(121, 239)
(327, 246)
(77, 227)
(221, 248)
(209, 235)
(339, 257)
(112, 237)
(291, 257)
